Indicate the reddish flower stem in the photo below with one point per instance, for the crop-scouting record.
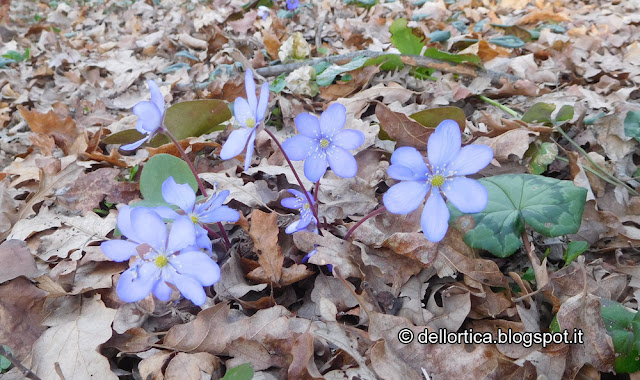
(372, 213)
(315, 195)
(304, 190)
(203, 190)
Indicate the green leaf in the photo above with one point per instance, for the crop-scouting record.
(241, 372)
(14, 55)
(545, 154)
(574, 249)
(157, 170)
(564, 114)
(403, 39)
(327, 76)
(507, 41)
(123, 137)
(196, 118)
(623, 327)
(439, 36)
(4, 362)
(550, 206)
(539, 113)
(278, 84)
(632, 124)
(455, 58)
(432, 117)
(389, 62)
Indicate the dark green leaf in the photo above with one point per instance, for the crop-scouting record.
(550, 206)
(507, 41)
(432, 117)
(564, 114)
(327, 76)
(545, 154)
(623, 327)
(403, 38)
(632, 124)
(574, 249)
(196, 118)
(123, 137)
(157, 170)
(539, 113)
(241, 372)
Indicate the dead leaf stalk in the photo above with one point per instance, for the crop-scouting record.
(373, 213)
(26, 372)
(295, 173)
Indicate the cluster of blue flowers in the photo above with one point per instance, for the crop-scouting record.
(171, 244)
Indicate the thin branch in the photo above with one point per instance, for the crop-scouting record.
(26, 372)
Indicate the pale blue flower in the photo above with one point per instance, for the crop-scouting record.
(299, 202)
(211, 211)
(448, 164)
(293, 4)
(249, 113)
(164, 257)
(324, 141)
(263, 12)
(150, 115)
(306, 258)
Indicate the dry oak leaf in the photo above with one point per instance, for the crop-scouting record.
(264, 233)
(402, 129)
(85, 324)
(64, 131)
(16, 260)
(91, 188)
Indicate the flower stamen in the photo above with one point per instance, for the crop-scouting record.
(251, 122)
(437, 180)
(161, 261)
(324, 143)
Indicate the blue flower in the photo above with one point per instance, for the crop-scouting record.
(300, 203)
(263, 12)
(249, 113)
(322, 141)
(164, 258)
(211, 211)
(150, 115)
(308, 255)
(293, 4)
(448, 164)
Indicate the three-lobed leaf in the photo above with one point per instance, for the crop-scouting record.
(550, 206)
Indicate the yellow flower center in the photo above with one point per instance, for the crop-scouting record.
(251, 122)
(305, 206)
(324, 143)
(437, 180)
(194, 218)
(161, 261)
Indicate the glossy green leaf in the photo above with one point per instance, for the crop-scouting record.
(403, 39)
(507, 41)
(432, 117)
(623, 326)
(196, 117)
(574, 249)
(632, 124)
(550, 206)
(123, 137)
(539, 113)
(544, 154)
(157, 170)
(241, 372)
(329, 74)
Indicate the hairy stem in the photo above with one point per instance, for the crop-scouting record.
(295, 173)
(501, 106)
(371, 214)
(203, 190)
(315, 195)
(26, 372)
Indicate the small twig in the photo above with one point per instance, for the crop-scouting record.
(319, 28)
(26, 372)
(411, 60)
